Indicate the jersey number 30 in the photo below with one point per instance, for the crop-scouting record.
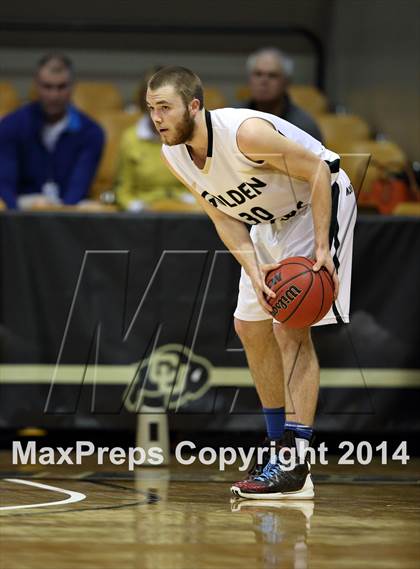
(259, 213)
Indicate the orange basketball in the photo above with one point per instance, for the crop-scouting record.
(303, 297)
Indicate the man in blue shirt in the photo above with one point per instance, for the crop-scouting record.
(49, 150)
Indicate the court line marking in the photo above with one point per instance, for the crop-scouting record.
(73, 497)
(219, 377)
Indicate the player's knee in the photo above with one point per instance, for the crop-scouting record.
(250, 332)
(291, 336)
(243, 329)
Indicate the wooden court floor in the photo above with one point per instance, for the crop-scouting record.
(183, 518)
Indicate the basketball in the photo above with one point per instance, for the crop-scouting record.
(303, 297)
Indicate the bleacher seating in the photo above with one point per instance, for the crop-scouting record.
(175, 206)
(242, 93)
(347, 134)
(407, 208)
(114, 124)
(309, 98)
(368, 161)
(341, 130)
(92, 97)
(9, 99)
(214, 98)
(96, 98)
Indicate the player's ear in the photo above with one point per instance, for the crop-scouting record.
(194, 106)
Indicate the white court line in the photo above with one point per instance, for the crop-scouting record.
(72, 496)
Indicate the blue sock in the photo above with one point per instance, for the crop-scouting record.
(274, 419)
(301, 431)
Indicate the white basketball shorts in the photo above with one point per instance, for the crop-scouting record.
(276, 241)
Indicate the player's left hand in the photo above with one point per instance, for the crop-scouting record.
(323, 259)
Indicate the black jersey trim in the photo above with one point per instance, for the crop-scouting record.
(334, 166)
(209, 137)
(189, 152)
(209, 134)
(333, 237)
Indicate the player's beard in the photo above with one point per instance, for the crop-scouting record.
(184, 130)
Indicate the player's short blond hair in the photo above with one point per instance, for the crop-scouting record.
(186, 83)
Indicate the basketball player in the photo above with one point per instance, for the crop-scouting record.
(248, 167)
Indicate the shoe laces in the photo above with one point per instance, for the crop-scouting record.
(269, 469)
(257, 466)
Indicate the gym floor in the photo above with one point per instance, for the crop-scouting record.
(183, 517)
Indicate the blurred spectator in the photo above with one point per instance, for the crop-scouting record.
(49, 150)
(270, 72)
(142, 178)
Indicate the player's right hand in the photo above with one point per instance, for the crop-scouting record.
(261, 289)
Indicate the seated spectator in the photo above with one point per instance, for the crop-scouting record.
(49, 150)
(142, 178)
(270, 72)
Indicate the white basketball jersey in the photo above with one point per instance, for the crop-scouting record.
(246, 190)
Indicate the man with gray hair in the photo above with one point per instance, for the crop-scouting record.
(270, 72)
